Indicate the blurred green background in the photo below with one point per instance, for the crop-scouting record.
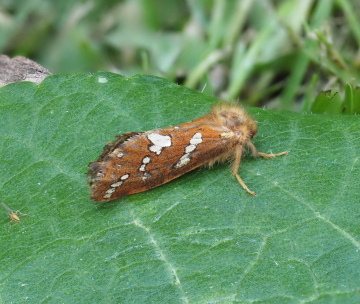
(288, 55)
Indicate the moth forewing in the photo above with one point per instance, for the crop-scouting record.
(136, 162)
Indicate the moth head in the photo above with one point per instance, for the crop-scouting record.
(250, 128)
(236, 119)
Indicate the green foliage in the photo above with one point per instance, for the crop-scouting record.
(275, 53)
(331, 102)
(198, 239)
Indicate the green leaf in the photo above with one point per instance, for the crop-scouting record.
(348, 104)
(356, 99)
(198, 239)
(327, 102)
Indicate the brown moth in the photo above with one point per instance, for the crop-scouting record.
(137, 162)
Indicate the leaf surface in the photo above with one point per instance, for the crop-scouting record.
(198, 239)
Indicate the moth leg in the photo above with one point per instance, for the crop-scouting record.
(244, 185)
(272, 155)
(265, 155)
(238, 154)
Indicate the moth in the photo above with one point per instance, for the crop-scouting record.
(13, 215)
(139, 161)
